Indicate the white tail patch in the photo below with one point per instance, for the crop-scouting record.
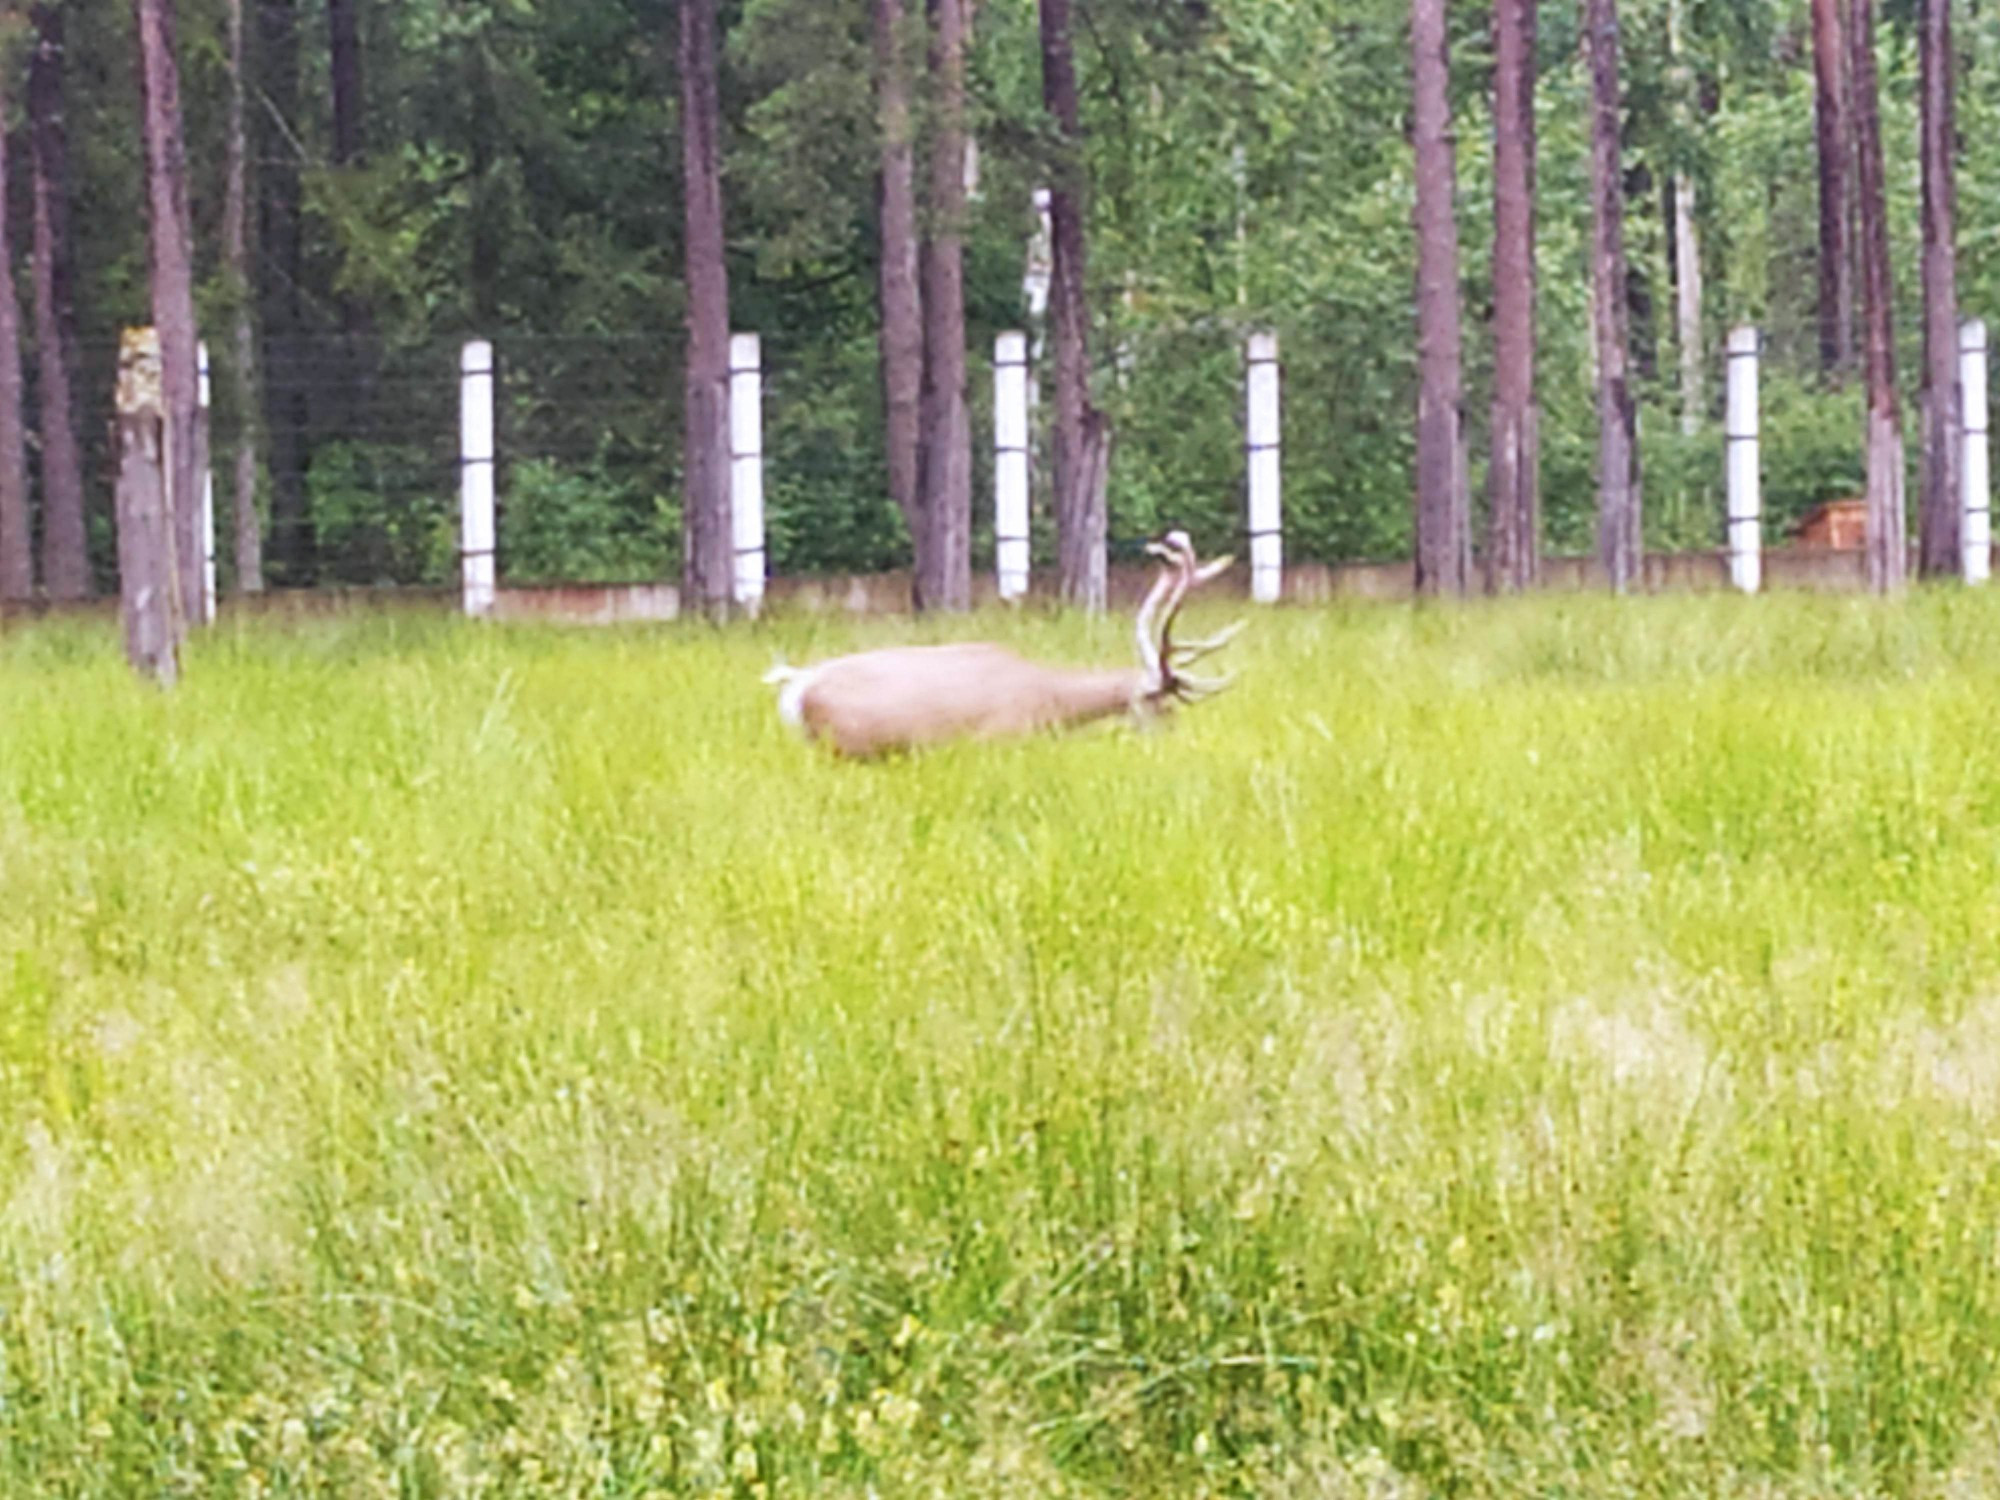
(792, 683)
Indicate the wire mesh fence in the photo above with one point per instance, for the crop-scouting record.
(358, 477)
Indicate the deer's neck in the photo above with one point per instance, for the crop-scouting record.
(1077, 697)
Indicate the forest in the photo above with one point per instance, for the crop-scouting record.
(1418, 199)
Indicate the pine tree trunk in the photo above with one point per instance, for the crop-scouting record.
(1442, 521)
(353, 388)
(17, 559)
(1687, 304)
(1513, 548)
(1618, 503)
(707, 545)
(483, 226)
(1687, 249)
(1081, 438)
(249, 534)
(944, 556)
(901, 337)
(280, 276)
(1888, 549)
(65, 551)
(172, 277)
(1835, 135)
(344, 73)
(1938, 510)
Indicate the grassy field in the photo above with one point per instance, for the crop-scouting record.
(1548, 1049)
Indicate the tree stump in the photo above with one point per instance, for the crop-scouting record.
(148, 581)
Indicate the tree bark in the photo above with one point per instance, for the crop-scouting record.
(901, 337)
(707, 545)
(483, 229)
(1081, 438)
(172, 277)
(354, 367)
(944, 548)
(344, 58)
(248, 531)
(17, 558)
(1513, 548)
(1687, 304)
(1943, 415)
(1835, 135)
(1686, 241)
(279, 267)
(1618, 503)
(1442, 521)
(1888, 549)
(65, 551)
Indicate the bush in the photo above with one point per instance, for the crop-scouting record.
(565, 524)
(381, 513)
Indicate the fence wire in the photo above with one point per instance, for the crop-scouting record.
(358, 436)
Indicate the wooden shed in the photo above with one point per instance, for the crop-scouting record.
(1838, 524)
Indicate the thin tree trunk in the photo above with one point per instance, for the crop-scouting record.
(1835, 136)
(1686, 242)
(354, 367)
(172, 277)
(1888, 549)
(344, 58)
(1687, 304)
(707, 551)
(1513, 549)
(483, 230)
(944, 556)
(279, 245)
(1082, 438)
(249, 534)
(65, 552)
(1442, 522)
(1938, 530)
(1618, 504)
(17, 557)
(901, 337)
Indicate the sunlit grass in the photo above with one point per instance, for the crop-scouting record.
(1537, 1049)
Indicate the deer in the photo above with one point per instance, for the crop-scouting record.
(905, 697)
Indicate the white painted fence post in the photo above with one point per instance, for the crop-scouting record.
(476, 541)
(1976, 522)
(1010, 463)
(203, 401)
(746, 467)
(1745, 498)
(1262, 430)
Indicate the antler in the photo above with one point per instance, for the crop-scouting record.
(1170, 582)
(1170, 659)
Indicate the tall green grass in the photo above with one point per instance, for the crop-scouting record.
(1545, 1049)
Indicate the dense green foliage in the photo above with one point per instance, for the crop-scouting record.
(1541, 1050)
(1249, 167)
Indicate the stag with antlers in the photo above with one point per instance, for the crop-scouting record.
(905, 696)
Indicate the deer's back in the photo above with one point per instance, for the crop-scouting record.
(920, 695)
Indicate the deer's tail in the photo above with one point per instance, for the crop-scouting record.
(791, 683)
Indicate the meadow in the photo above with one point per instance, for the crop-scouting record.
(1547, 1048)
